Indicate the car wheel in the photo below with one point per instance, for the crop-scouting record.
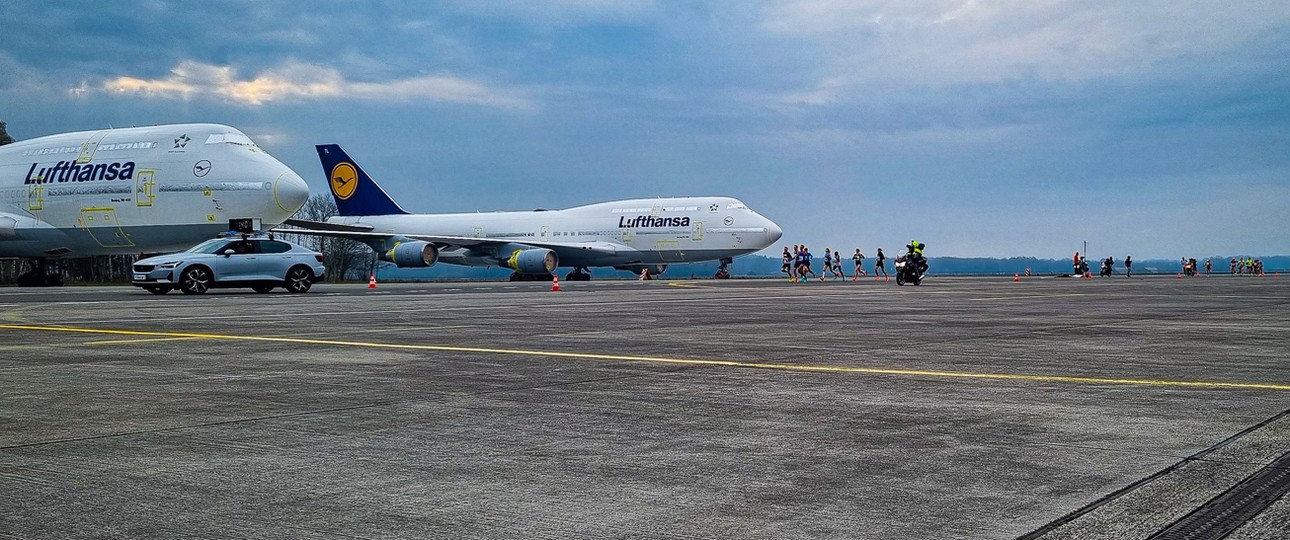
(195, 280)
(299, 279)
(157, 289)
(262, 288)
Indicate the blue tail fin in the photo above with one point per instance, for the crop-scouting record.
(355, 192)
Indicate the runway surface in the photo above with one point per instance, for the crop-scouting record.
(964, 408)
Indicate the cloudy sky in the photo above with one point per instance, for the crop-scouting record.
(984, 128)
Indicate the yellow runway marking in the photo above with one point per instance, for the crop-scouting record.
(663, 360)
(686, 285)
(143, 340)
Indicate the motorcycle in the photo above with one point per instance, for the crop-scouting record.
(910, 270)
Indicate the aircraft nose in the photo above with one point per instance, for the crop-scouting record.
(773, 232)
(290, 192)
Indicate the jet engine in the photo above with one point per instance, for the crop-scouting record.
(533, 261)
(411, 255)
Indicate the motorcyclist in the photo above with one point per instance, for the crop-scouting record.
(916, 255)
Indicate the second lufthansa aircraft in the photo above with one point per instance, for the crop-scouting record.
(628, 235)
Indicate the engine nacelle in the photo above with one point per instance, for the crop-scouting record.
(533, 261)
(411, 255)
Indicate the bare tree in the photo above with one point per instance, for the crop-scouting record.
(4, 135)
(345, 259)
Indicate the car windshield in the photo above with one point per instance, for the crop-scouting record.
(210, 246)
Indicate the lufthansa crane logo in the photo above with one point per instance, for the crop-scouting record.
(344, 180)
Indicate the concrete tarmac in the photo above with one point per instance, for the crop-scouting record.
(964, 408)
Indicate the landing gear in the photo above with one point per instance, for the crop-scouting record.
(578, 274)
(723, 271)
(40, 276)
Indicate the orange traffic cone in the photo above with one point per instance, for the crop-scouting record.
(555, 283)
(1016, 277)
(371, 281)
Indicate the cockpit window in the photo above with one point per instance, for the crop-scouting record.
(231, 138)
(737, 205)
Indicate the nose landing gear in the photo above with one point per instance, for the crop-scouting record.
(723, 271)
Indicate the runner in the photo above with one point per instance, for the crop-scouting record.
(806, 252)
(858, 258)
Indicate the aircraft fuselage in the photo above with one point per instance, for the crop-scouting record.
(617, 233)
(136, 190)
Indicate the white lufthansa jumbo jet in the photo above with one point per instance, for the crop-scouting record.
(135, 190)
(627, 235)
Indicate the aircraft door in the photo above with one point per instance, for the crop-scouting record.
(145, 187)
(696, 233)
(89, 147)
(36, 197)
(546, 232)
(104, 227)
(669, 250)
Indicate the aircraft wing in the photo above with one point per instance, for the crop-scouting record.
(363, 233)
(325, 226)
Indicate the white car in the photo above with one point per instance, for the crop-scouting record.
(258, 262)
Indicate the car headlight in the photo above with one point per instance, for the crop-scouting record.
(169, 265)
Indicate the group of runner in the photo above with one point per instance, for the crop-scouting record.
(798, 262)
(1245, 265)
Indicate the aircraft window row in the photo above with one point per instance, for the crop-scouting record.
(141, 145)
(680, 208)
(54, 150)
(92, 189)
(631, 210)
(219, 186)
(664, 232)
(127, 146)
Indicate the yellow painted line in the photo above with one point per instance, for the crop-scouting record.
(143, 340)
(664, 360)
